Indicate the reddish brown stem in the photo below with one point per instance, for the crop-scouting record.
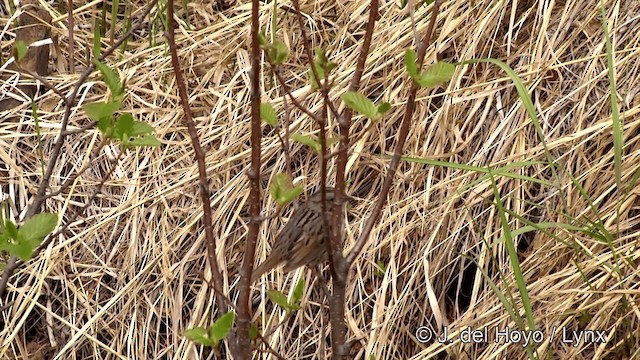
(210, 241)
(402, 137)
(244, 317)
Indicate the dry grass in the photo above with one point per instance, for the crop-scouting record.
(128, 282)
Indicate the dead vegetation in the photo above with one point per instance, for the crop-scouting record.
(128, 281)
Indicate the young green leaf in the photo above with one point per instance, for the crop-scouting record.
(21, 242)
(97, 34)
(123, 127)
(105, 125)
(278, 52)
(410, 63)
(279, 298)
(145, 140)
(281, 182)
(221, 327)
(262, 38)
(38, 227)
(282, 189)
(134, 133)
(111, 78)
(321, 56)
(20, 249)
(298, 292)
(383, 108)
(21, 49)
(322, 65)
(437, 74)
(315, 83)
(199, 335)
(323, 61)
(97, 111)
(253, 332)
(380, 269)
(268, 114)
(360, 103)
(10, 229)
(141, 128)
(309, 141)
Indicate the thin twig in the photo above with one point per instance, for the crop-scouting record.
(44, 82)
(324, 89)
(295, 102)
(210, 241)
(244, 289)
(73, 178)
(40, 196)
(402, 137)
(14, 263)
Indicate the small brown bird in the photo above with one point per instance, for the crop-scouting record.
(302, 240)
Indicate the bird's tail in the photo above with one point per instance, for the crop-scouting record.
(268, 265)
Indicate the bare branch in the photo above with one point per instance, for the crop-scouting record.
(402, 137)
(40, 196)
(210, 240)
(244, 317)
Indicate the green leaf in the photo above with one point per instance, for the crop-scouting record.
(322, 65)
(360, 103)
(21, 249)
(279, 298)
(10, 229)
(220, 329)
(146, 140)
(123, 127)
(315, 83)
(141, 128)
(111, 78)
(262, 38)
(253, 332)
(437, 74)
(97, 34)
(278, 52)
(38, 227)
(282, 189)
(380, 269)
(105, 125)
(21, 49)
(298, 292)
(20, 242)
(321, 56)
(134, 133)
(410, 63)
(383, 108)
(100, 110)
(4, 238)
(268, 114)
(309, 141)
(199, 335)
